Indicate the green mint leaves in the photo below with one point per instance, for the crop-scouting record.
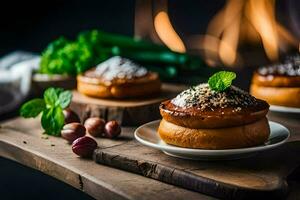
(32, 108)
(53, 120)
(57, 96)
(64, 99)
(220, 81)
(51, 107)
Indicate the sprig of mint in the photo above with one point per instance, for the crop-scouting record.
(222, 80)
(51, 107)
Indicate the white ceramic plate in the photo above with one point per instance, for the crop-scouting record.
(147, 135)
(284, 109)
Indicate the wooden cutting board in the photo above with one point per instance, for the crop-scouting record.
(128, 112)
(21, 140)
(261, 176)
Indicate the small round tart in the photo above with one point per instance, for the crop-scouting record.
(278, 84)
(118, 78)
(202, 108)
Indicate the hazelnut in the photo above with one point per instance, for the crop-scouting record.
(112, 129)
(72, 131)
(95, 126)
(70, 116)
(84, 146)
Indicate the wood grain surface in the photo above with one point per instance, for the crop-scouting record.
(258, 177)
(262, 176)
(131, 112)
(22, 140)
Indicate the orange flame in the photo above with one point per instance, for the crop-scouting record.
(239, 21)
(262, 16)
(166, 32)
(253, 20)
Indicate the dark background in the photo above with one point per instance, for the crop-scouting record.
(30, 25)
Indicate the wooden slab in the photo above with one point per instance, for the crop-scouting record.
(21, 140)
(262, 176)
(129, 112)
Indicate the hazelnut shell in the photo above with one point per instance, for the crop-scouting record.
(72, 131)
(95, 126)
(112, 129)
(84, 146)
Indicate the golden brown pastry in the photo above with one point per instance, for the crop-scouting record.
(278, 84)
(203, 118)
(118, 78)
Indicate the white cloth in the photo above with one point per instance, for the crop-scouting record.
(18, 75)
(15, 76)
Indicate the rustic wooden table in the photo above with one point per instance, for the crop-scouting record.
(22, 141)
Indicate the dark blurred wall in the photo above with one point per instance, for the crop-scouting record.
(31, 25)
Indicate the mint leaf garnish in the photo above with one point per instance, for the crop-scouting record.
(220, 81)
(51, 107)
(51, 96)
(32, 108)
(64, 99)
(53, 120)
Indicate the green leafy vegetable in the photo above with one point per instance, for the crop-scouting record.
(51, 107)
(73, 57)
(32, 108)
(220, 81)
(66, 57)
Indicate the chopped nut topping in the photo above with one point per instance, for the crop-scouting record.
(203, 98)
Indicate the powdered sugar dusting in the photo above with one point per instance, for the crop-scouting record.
(204, 98)
(118, 67)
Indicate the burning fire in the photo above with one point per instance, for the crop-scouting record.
(239, 21)
(166, 32)
(248, 20)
